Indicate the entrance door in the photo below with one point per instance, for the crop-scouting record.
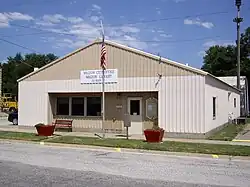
(135, 112)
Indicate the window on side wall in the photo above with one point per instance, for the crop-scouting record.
(77, 106)
(94, 106)
(214, 107)
(234, 102)
(62, 106)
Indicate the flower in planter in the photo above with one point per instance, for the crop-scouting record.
(155, 123)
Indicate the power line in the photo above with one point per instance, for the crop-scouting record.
(139, 41)
(170, 18)
(31, 2)
(146, 21)
(130, 23)
(35, 28)
(30, 49)
(26, 34)
(177, 41)
(149, 41)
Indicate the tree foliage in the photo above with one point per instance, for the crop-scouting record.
(19, 66)
(222, 60)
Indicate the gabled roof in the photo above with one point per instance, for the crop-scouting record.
(155, 57)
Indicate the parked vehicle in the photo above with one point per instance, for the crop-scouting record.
(13, 117)
(8, 102)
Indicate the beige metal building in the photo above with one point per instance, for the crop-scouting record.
(244, 99)
(189, 101)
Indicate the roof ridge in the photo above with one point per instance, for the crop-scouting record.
(137, 51)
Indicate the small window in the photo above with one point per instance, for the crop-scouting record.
(234, 102)
(214, 107)
(135, 107)
(77, 106)
(94, 106)
(62, 106)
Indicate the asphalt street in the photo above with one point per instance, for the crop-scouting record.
(28, 165)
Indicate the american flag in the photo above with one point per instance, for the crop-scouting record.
(103, 55)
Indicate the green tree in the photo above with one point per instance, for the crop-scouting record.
(222, 60)
(19, 66)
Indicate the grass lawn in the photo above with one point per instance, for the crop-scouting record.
(228, 133)
(234, 150)
(20, 136)
(171, 146)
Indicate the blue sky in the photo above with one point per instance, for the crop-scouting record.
(61, 26)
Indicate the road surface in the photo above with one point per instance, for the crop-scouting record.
(4, 121)
(28, 165)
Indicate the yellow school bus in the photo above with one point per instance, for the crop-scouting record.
(8, 102)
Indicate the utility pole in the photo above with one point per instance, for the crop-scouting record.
(238, 20)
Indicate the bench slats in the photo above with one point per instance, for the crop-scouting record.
(60, 123)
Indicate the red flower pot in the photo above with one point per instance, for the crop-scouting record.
(152, 135)
(45, 130)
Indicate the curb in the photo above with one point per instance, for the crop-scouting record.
(133, 151)
(235, 140)
(144, 151)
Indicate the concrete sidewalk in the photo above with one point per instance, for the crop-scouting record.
(243, 136)
(111, 135)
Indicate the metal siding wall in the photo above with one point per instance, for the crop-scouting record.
(128, 63)
(123, 85)
(181, 104)
(33, 103)
(178, 109)
(215, 88)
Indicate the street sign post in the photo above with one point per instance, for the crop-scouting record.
(127, 123)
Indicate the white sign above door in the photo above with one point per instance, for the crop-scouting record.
(95, 76)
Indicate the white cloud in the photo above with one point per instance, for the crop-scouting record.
(44, 23)
(158, 11)
(72, 2)
(74, 19)
(129, 29)
(95, 18)
(96, 7)
(56, 18)
(198, 22)
(18, 16)
(161, 33)
(7, 17)
(201, 53)
(132, 42)
(52, 19)
(211, 43)
(165, 35)
(48, 39)
(219, 42)
(79, 33)
(85, 32)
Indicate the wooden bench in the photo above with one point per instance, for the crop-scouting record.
(63, 124)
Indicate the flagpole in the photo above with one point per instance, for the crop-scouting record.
(103, 92)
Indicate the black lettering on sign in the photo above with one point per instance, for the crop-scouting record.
(91, 76)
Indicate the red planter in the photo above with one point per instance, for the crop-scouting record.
(45, 130)
(154, 135)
